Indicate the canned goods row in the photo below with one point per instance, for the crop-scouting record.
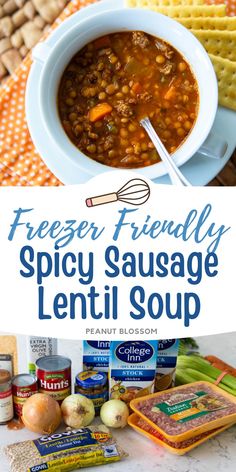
(53, 376)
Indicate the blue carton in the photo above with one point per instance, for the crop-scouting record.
(132, 369)
(166, 363)
(96, 355)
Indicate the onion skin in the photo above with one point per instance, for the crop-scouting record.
(41, 414)
(77, 411)
(114, 414)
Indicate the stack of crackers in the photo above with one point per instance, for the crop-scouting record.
(215, 30)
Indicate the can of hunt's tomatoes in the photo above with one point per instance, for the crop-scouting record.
(54, 376)
(23, 386)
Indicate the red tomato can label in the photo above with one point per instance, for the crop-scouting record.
(23, 386)
(54, 376)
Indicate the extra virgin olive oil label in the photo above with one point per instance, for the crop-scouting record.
(38, 347)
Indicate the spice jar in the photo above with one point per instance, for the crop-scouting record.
(93, 385)
(6, 400)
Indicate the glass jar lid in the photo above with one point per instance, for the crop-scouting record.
(91, 379)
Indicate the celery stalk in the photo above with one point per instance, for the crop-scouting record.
(204, 367)
(199, 375)
(188, 375)
(182, 378)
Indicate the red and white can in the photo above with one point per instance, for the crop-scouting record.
(23, 386)
(54, 376)
(6, 402)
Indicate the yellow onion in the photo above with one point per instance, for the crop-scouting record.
(77, 411)
(114, 414)
(41, 414)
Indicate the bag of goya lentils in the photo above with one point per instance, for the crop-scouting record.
(67, 451)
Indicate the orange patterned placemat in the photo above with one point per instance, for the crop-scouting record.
(20, 164)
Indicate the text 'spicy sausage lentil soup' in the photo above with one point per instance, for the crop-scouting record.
(187, 411)
(115, 81)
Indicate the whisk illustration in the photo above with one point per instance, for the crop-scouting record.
(135, 192)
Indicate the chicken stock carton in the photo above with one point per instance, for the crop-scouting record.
(96, 355)
(166, 363)
(132, 369)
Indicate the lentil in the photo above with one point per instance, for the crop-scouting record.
(160, 59)
(69, 101)
(181, 132)
(187, 125)
(110, 89)
(124, 133)
(182, 66)
(91, 148)
(125, 89)
(132, 127)
(102, 96)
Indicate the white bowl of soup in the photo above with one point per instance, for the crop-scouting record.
(106, 73)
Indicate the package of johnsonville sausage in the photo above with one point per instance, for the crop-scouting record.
(179, 448)
(184, 412)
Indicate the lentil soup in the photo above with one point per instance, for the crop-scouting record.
(115, 81)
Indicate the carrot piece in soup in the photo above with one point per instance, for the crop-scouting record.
(137, 87)
(103, 42)
(170, 93)
(99, 111)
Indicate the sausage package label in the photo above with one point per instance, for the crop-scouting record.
(132, 368)
(194, 406)
(96, 355)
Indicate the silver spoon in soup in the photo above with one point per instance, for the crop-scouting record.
(176, 176)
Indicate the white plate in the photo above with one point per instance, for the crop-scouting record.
(199, 170)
